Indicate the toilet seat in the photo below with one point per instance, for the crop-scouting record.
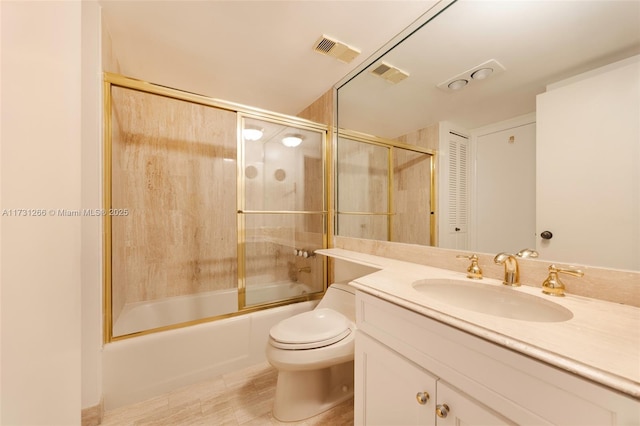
(311, 330)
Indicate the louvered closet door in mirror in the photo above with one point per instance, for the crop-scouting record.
(455, 208)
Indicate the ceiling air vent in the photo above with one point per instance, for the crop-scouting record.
(381, 69)
(389, 73)
(335, 49)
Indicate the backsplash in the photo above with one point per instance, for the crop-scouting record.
(599, 283)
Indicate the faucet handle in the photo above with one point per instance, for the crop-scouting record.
(473, 271)
(552, 285)
(524, 253)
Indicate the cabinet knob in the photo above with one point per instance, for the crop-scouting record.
(442, 410)
(422, 397)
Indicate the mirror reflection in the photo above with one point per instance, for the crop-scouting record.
(386, 191)
(533, 109)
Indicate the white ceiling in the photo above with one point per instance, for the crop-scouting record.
(258, 53)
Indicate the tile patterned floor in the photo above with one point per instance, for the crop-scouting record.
(239, 398)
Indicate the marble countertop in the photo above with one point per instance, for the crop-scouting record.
(601, 342)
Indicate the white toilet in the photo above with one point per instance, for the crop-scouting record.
(313, 353)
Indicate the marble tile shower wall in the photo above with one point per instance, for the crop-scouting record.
(162, 173)
(268, 261)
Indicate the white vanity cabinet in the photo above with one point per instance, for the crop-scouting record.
(465, 411)
(396, 391)
(402, 355)
(393, 390)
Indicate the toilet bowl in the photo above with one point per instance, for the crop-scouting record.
(313, 353)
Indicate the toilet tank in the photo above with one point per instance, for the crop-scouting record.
(341, 298)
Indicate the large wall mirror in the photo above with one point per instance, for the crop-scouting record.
(533, 111)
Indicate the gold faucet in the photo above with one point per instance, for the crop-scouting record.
(511, 269)
(473, 271)
(552, 285)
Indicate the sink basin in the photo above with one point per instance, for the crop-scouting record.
(492, 300)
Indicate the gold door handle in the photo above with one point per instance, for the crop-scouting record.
(442, 410)
(422, 397)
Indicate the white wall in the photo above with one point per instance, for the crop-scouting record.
(40, 154)
(587, 171)
(91, 198)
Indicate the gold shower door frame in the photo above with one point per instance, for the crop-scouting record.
(390, 213)
(243, 212)
(110, 80)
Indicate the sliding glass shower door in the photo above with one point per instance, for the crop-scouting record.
(282, 211)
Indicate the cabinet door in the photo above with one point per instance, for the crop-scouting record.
(455, 408)
(388, 387)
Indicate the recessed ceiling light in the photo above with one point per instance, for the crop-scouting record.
(252, 133)
(292, 140)
(458, 84)
(482, 73)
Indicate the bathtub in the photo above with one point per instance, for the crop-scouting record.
(261, 293)
(147, 366)
(139, 316)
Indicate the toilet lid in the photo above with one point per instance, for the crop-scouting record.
(313, 329)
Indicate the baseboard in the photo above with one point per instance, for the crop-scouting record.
(92, 416)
